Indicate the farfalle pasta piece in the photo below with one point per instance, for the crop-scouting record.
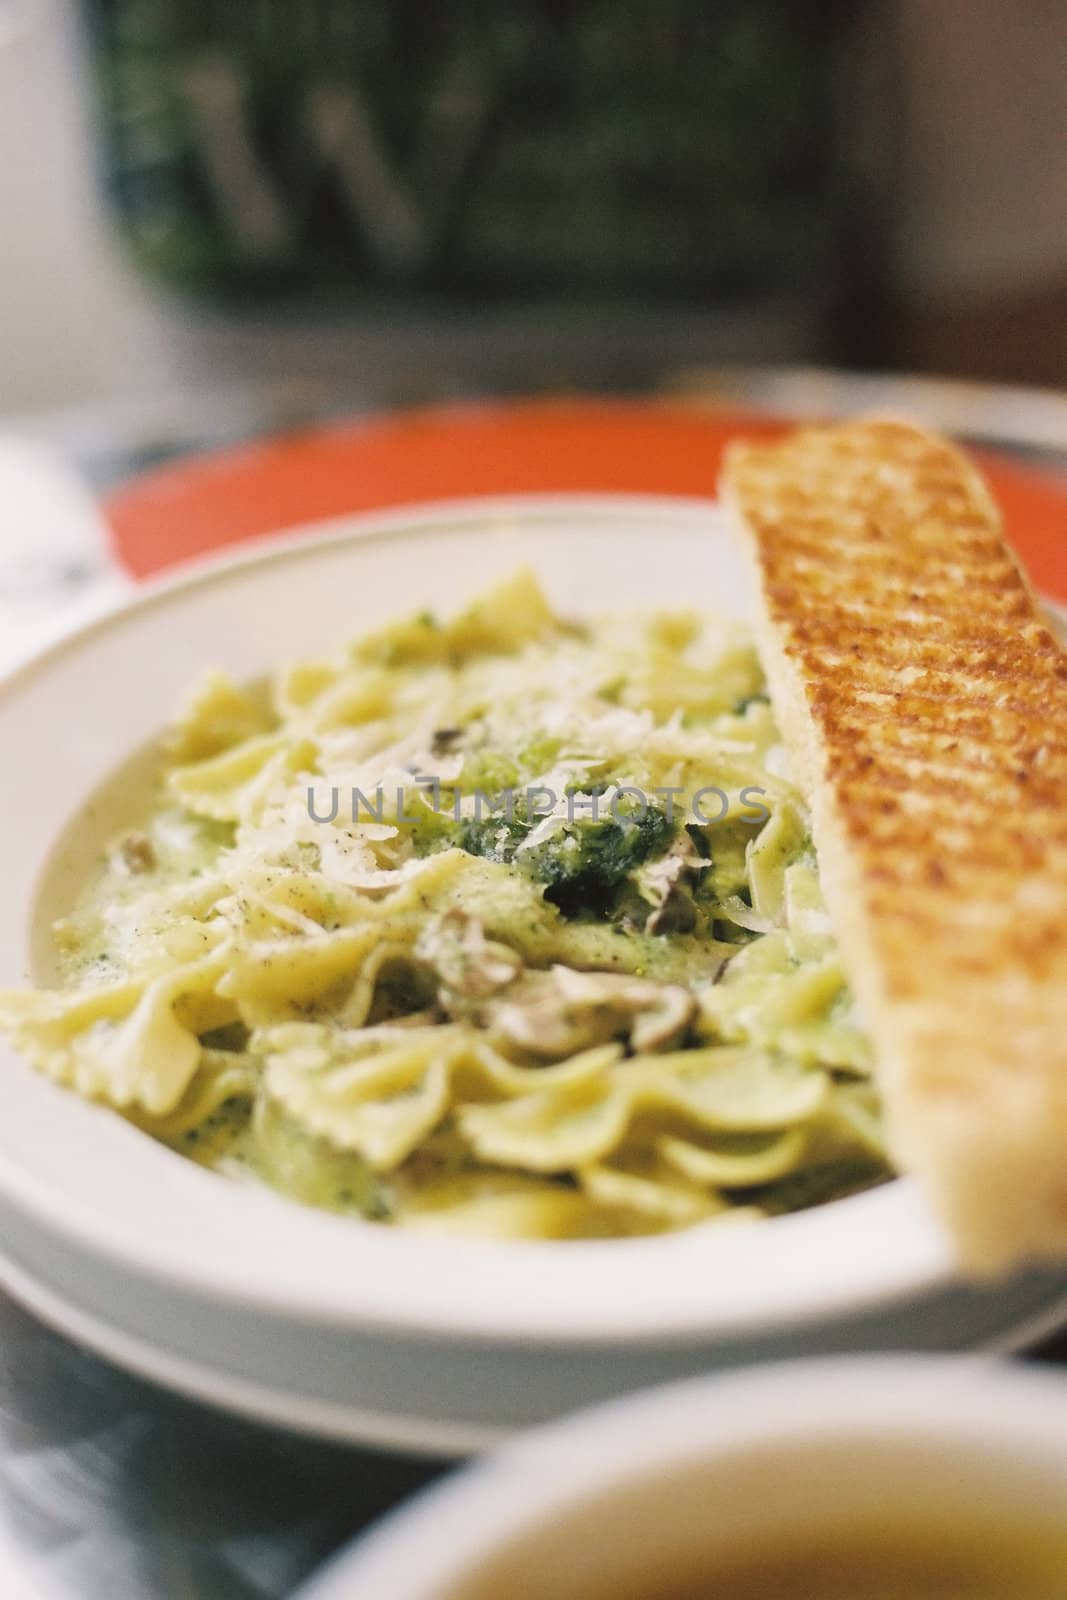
(236, 784)
(383, 1090)
(511, 1206)
(218, 715)
(563, 1127)
(278, 980)
(662, 1194)
(221, 1076)
(768, 856)
(382, 1102)
(743, 1162)
(132, 1044)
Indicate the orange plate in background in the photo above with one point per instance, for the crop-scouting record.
(452, 452)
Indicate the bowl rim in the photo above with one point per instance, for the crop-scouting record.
(704, 1283)
(970, 1404)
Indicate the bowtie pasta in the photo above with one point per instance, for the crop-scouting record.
(506, 925)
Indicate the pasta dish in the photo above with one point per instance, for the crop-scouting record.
(505, 924)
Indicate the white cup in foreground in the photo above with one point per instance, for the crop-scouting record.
(894, 1479)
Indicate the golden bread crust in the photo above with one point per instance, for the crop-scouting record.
(924, 701)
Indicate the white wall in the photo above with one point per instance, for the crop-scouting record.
(71, 321)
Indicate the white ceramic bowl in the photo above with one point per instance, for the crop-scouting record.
(671, 1479)
(243, 1297)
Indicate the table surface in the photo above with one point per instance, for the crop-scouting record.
(110, 1486)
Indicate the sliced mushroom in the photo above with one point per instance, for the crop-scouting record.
(469, 965)
(536, 1018)
(673, 909)
(658, 1013)
(558, 1013)
(445, 740)
(668, 883)
(135, 853)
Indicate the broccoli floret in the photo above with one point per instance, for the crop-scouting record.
(489, 771)
(496, 837)
(584, 863)
(699, 836)
(433, 831)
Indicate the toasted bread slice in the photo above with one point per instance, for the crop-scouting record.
(924, 701)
